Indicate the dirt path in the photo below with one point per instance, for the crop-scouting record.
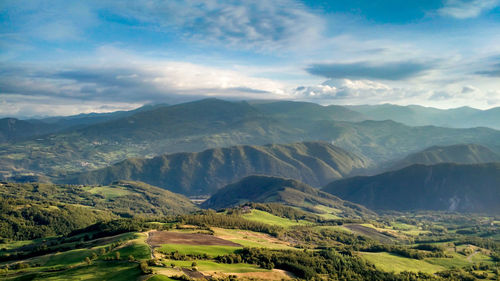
(469, 258)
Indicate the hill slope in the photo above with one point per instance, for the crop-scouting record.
(265, 189)
(451, 187)
(124, 198)
(460, 153)
(315, 163)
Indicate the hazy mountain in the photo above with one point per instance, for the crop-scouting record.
(85, 119)
(451, 187)
(265, 189)
(414, 115)
(12, 129)
(211, 123)
(316, 163)
(306, 111)
(460, 153)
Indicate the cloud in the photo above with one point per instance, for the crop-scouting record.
(257, 24)
(345, 91)
(369, 70)
(128, 78)
(466, 9)
(494, 71)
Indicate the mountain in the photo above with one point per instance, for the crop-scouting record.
(460, 153)
(414, 115)
(85, 119)
(445, 187)
(213, 123)
(306, 110)
(266, 189)
(315, 163)
(12, 129)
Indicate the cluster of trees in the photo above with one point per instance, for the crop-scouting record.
(405, 251)
(316, 265)
(210, 218)
(22, 219)
(284, 211)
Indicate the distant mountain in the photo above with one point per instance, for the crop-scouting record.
(306, 111)
(12, 129)
(266, 189)
(460, 153)
(447, 187)
(213, 123)
(414, 115)
(316, 163)
(86, 119)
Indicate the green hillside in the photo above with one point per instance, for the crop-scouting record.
(315, 163)
(265, 189)
(460, 153)
(447, 187)
(126, 198)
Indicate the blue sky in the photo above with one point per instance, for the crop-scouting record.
(67, 57)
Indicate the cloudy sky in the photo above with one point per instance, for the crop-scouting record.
(66, 57)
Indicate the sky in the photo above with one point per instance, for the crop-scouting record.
(70, 57)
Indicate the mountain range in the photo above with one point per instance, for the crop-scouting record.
(266, 189)
(444, 187)
(315, 163)
(415, 115)
(212, 123)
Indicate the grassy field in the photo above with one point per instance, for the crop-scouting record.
(249, 238)
(160, 278)
(108, 192)
(265, 217)
(109, 271)
(211, 251)
(394, 263)
(206, 265)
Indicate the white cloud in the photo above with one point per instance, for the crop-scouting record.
(258, 24)
(465, 9)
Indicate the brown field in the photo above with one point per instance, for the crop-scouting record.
(158, 238)
(370, 232)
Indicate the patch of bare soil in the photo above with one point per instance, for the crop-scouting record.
(158, 238)
(275, 274)
(193, 274)
(370, 232)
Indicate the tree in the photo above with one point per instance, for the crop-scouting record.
(117, 255)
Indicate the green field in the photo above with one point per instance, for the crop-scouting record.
(394, 263)
(160, 278)
(265, 217)
(206, 265)
(250, 239)
(109, 271)
(109, 192)
(211, 251)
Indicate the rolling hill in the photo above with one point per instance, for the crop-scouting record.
(265, 189)
(445, 187)
(460, 153)
(315, 163)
